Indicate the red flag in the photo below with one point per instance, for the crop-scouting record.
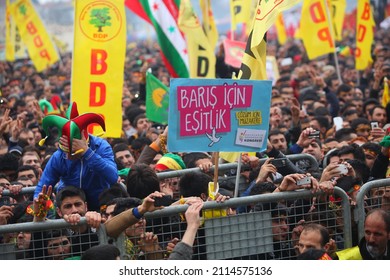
(234, 52)
(136, 7)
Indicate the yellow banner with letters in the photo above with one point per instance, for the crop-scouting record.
(34, 35)
(201, 54)
(317, 35)
(98, 61)
(364, 34)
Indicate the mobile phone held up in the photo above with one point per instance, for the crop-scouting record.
(338, 122)
(374, 125)
(304, 181)
(279, 162)
(314, 134)
(343, 169)
(165, 200)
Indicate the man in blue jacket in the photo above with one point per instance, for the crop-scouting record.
(83, 160)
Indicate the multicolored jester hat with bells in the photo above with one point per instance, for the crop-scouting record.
(71, 126)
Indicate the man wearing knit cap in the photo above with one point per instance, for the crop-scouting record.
(170, 162)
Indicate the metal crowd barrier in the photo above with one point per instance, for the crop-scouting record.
(179, 173)
(248, 235)
(366, 199)
(228, 166)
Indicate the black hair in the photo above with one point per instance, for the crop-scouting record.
(114, 191)
(321, 111)
(28, 167)
(275, 132)
(361, 169)
(194, 184)
(356, 122)
(322, 121)
(190, 159)
(375, 107)
(329, 155)
(101, 252)
(9, 162)
(125, 203)
(354, 149)
(368, 102)
(375, 147)
(343, 88)
(120, 147)
(343, 134)
(262, 188)
(69, 191)
(142, 181)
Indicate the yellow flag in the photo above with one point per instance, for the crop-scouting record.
(337, 11)
(20, 48)
(33, 33)
(280, 30)
(364, 34)
(61, 45)
(240, 12)
(201, 54)
(9, 40)
(98, 61)
(253, 65)
(386, 94)
(316, 32)
(209, 26)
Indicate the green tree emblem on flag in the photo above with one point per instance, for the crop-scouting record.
(100, 18)
(23, 9)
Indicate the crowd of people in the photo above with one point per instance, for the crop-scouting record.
(340, 120)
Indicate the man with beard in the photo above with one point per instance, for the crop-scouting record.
(376, 242)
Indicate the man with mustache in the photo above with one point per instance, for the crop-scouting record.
(376, 242)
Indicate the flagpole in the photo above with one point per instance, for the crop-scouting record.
(231, 25)
(237, 176)
(333, 41)
(206, 20)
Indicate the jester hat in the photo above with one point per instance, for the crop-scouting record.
(46, 105)
(71, 126)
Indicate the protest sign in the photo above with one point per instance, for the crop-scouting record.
(215, 115)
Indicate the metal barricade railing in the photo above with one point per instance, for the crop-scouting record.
(179, 173)
(366, 200)
(242, 236)
(46, 240)
(228, 166)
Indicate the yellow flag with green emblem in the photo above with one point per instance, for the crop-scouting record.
(98, 61)
(157, 99)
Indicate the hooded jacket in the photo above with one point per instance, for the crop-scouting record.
(94, 172)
